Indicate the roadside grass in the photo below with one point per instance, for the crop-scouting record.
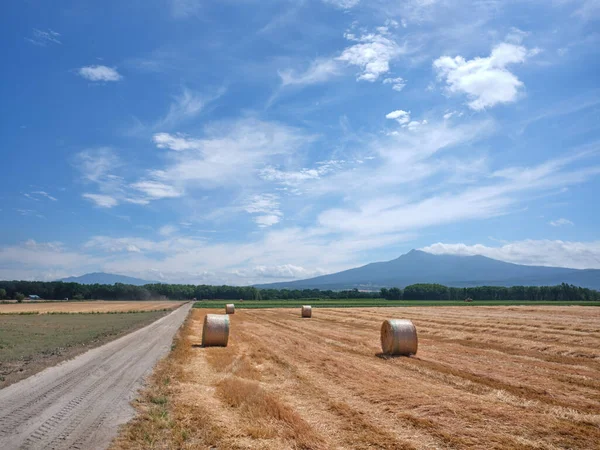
(30, 342)
(377, 302)
(161, 422)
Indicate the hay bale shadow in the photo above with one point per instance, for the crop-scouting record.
(386, 356)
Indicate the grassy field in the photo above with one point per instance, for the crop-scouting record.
(32, 342)
(95, 306)
(377, 302)
(487, 378)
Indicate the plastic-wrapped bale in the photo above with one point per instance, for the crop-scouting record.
(306, 311)
(230, 308)
(399, 337)
(215, 331)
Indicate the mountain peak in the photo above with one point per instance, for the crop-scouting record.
(418, 266)
(105, 278)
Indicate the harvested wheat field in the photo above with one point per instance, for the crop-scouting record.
(87, 307)
(483, 377)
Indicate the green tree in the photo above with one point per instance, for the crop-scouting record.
(2, 294)
(19, 297)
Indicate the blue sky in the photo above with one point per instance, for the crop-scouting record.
(245, 141)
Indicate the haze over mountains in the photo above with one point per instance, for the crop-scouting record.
(413, 267)
(458, 271)
(105, 278)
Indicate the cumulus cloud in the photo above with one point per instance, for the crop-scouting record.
(486, 81)
(99, 73)
(561, 222)
(400, 116)
(576, 255)
(372, 52)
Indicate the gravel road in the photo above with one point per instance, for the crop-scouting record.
(79, 404)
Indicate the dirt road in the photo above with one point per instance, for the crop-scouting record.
(79, 404)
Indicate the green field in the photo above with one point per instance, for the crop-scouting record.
(377, 302)
(31, 342)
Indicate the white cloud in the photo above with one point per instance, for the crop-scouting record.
(104, 201)
(400, 116)
(229, 154)
(167, 230)
(343, 4)
(373, 53)
(38, 260)
(95, 164)
(36, 194)
(576, 255)
(319, 71)
(155, 190)
(486, 81)
(177, 142)
(397, 83)
(43, 38)
(561, 222)
(587, 9)
(99, 73)
(267, 205)
(182, 9)
(267, 220)
(184, 106)
(297, 177)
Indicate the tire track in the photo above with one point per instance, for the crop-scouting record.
(80, 403)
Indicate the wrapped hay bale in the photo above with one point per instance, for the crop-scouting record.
(306, 311)
(398, 337)
(215, 331)
(230, 308)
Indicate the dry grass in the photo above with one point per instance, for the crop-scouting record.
(99, 306)
(484, 377)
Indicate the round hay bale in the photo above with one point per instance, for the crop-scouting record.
(306, 311)
(398, 337)
(215, 331)
(230, 308)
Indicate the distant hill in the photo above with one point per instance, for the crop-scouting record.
(105, 278)
(459, 271)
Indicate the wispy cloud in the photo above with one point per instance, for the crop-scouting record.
(267, 206)
(103, 201)
(577, 255)
(182, 9)
(343, 4)
(99, 73)
(44, 38)
(185, 106)
(561, 222)
(371, 52)
(319, 71)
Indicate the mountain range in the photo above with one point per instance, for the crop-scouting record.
(105, 278)
(458, 271)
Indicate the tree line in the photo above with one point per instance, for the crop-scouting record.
(58, 290)
(561, 292)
